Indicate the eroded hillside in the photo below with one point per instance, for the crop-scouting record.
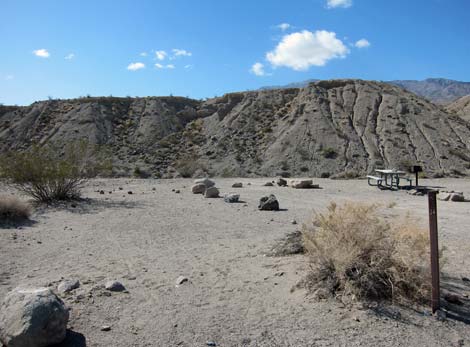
(340, 127)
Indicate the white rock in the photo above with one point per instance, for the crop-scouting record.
(303, 184)
(207, 182)
(68, 285)
(32, 318)
(180, 280)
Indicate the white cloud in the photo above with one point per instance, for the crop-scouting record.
(160, 66)
(135, 66)
(283, 26)
(161, 55)
(258, 69)
(43, 53)
(338, 3)
(362, 43)
(69, 56)
(181, 52)
(189, 66)
(303, 49)
(143, 54)
(9, 77)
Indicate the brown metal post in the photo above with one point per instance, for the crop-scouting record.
(417, 179)
(435, 296)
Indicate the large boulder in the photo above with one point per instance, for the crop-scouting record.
(451, 196)
(237, 185)
(303, 184)
(198, 188)
(211, 192)
(268, 203)
(32, 318)
(207, 182)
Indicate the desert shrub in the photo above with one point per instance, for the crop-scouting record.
(140, 173)
(356, 254)
(346, 175)
(13, 209)
(188, 166)
(329, 153)
(53, 172)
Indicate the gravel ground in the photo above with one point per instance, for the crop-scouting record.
(235, 294)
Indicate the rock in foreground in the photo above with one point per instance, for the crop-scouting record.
(32, 318)
(303, 184)
(232, 198)
(268, 203)
(211, 192)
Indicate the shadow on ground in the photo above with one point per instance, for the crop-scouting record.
(456, 288)
(17, 224)
(73, 339)
(86, 206)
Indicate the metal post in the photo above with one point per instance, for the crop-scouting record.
(435, 297)
(417, 179)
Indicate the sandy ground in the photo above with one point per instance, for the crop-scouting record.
(236, 295)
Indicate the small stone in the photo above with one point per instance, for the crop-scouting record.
(465, 279)
(198, 188)
(101, 192)
(237, 185)
(268, 184)
(120, 188)
(154, 188)
(211, 343)
(232, 198)
(73, 205)
(453, 299)
(294, 222)
(281, 182)
(303, 184)
(211, 192)
(130, 192)
(180, 280)
(114, 286)
(67, 286)
(105, 328)
(177, 191)
(440, 315)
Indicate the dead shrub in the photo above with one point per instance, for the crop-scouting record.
(13, 209)
(54, 172)
(356, 254)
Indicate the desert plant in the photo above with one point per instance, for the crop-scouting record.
(13, 209)
(356, 254)
(53, 172)
(187, 166)
(329, 153)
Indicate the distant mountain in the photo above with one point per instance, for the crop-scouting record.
(461, 107)
(437, 90)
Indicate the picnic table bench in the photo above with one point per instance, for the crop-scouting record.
(389, 178)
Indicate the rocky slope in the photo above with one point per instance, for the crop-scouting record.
(437, 90)
(461, 107)
(341, 127)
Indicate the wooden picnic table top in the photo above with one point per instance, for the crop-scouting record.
(390, 172)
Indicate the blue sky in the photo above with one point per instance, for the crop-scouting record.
(66, 49)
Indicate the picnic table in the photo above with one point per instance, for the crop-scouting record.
(389, 178)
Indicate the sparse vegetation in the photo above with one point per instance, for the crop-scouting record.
(188, 165)
(53, 172)
(356, 254)
(13, 209)
(329, 153)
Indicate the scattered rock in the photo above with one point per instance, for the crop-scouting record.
(32, 318)
(114, 286)
(451, 196)
(281, 182)
(211, 192)
(207, 182)
(294, 222)
(268, 184)
(453, 299)
(198, 188)
(237, 185)
(211, 343)
(303, 184)
(67, 286)
(101, 191)
(291, 244)
(177, 191)
(465, 279)
(440, 315)
(129, 192)
(180, 280)
(105, 328)
(120, 188)
(154, 188)
(268, 203)
(232, 198)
